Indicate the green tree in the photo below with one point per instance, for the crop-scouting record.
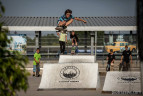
(100, 38)
(30, 42)
(13, 75)
(49, 39)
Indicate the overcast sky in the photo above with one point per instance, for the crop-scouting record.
(79, 7)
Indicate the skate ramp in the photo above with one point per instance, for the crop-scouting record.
(122, 82)
(76, 59)
(69, 76)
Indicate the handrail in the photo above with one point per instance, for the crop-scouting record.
(98, 54)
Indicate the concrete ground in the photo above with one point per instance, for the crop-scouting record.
(35, 81)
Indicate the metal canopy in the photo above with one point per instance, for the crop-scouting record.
(49, 23)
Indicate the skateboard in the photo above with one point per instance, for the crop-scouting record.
(74, 50)
(60, 29)
(37, 69)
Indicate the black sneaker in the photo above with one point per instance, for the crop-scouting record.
(33, 74)
(38, 75)
(64, 27)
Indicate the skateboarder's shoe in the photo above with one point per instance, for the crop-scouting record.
(59, 28)
(64, 27)
(33, 74)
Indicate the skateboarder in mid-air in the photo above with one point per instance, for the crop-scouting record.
(66, 20)
(74, 39)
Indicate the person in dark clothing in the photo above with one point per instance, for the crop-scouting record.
(110, 58)
(74, 38)
(126, 56)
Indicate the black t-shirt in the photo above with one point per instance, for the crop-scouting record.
(110, 57)
(126, 55)
(74, 37)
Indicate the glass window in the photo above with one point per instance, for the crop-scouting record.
(121, 44)
(114, 44)
(126, 44)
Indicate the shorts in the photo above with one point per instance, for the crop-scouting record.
(58, 21)
(74, 41)
(34, 68)
(126, 66)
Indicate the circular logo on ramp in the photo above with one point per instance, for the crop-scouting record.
(69, 72)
